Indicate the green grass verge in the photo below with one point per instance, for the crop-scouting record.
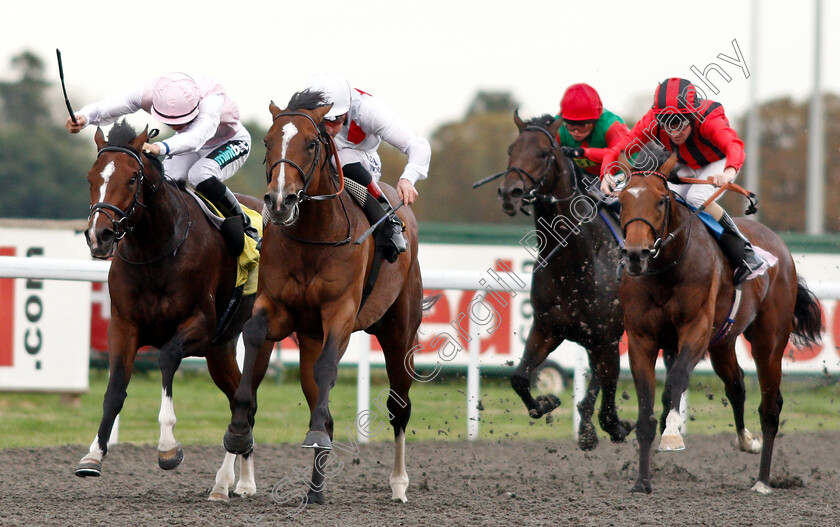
(438, 410)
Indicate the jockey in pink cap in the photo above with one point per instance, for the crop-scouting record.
(210, 143)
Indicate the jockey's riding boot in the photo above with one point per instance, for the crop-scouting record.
(224, 200)
(392, 227)
(740, 252)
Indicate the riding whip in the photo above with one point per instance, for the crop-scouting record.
(63, 87)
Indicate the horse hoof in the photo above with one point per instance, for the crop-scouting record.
(399, 495)
(642, 487)
(315, 497)
(761, 488)
(545, 404)
(240, 444)
(218, 496)
(171, 458)
(587, 437)
(671, 443)
(245, 491)
(317, 439)
(89, 468)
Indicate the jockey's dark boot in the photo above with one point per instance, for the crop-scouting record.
(224, 200)
(375, 207)
(738, 250)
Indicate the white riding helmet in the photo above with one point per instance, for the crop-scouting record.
(336, 90)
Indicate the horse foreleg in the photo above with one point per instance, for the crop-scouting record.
(170, 453)
(726, 366)
(338, 324)
(604, 362)
(540, 342)
(693, 342)
(587, 435)
(121, 366)
(239, 438)
(643, 352)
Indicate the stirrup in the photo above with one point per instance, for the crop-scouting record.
(395, 236)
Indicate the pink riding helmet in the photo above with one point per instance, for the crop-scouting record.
(175, 99)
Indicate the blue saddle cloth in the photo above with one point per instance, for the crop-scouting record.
(711, 223)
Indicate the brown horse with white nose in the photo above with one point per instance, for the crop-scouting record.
(677, 294)
(171, 280)
(312, 279)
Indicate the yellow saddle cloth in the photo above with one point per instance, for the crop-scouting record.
(248, 263)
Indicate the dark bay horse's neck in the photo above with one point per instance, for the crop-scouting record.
(162, 225)
(578, 235)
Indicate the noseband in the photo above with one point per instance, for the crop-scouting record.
(323, 139)
(118, 217)
(536, 182)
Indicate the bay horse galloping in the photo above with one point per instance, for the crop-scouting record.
(574, 292)
(311, 282)
(677, 294)
(171, 279)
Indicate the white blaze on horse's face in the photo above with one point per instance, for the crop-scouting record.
(289, 131)
(106, 174)
(635, 192)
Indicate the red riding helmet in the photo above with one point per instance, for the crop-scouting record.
(581, 103)
(677, 95)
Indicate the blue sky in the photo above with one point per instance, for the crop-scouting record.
(428, 59)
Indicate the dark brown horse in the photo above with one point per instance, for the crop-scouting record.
(311, 282)
(171, 279)
(574, 291)
(677, 293)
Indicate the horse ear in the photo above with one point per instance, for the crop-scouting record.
(320, 112)
(99, 139)
(555, 126)
(668, 166)
(517, 120)
(274, 109)
(138, 142)
(624, 162)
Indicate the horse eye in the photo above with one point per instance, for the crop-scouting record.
(312, 145)
(662, 201)
(133, 180)
(544, 154)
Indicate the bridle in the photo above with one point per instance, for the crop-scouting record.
(538, 182)
(324, 139)
(120, 219)
(306, 176)
(661, 238)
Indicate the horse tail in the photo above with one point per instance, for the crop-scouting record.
(807, 317)
(428, 302)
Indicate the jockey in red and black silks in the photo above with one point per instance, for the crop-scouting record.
(698, 132)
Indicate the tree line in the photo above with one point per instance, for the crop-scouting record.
(43, 168)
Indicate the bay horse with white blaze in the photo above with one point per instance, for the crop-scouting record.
(677, 293)
(574, 291)
(311, 282)
(171, 279)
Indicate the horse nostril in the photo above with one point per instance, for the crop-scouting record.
(516, 193)
(645, 253)
(268, 199)
(289, 201)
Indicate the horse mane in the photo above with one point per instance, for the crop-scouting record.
(121, 134)
(307, 100)
(543, 121)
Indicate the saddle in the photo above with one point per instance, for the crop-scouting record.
(239, 245)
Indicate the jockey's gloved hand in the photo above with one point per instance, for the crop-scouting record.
(572, 152)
